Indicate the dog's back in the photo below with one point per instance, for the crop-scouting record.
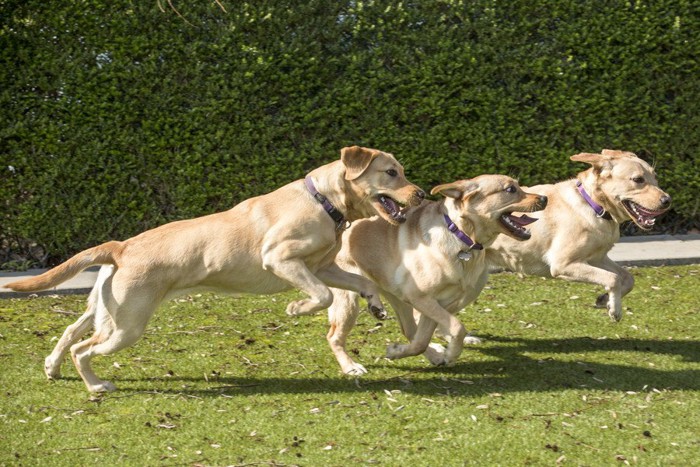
(566, 229)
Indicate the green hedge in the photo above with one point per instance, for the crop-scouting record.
(119, 116)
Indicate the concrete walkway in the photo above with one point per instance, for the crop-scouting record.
(657, 250)
(652, 250)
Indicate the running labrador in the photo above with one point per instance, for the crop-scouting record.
(582, 221)
(274, 242)
(434, 263)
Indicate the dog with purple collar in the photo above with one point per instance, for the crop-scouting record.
(573, 236)
(433, 264)
(284, 239)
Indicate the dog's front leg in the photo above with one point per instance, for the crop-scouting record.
(404, 313)
(408, 320)
(295, 272)
(334, 276)
(583, 272)
(432, 314)
(418, 344)
(286, 257)
(626, 284)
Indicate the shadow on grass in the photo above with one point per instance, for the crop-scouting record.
(559, 364)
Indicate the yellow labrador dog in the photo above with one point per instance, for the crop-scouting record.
(285, 239)
(433, 263)
(582, 221)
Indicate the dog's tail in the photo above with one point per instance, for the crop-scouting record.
(107, 253)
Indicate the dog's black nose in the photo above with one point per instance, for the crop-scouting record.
(420, 194)
(665, 201)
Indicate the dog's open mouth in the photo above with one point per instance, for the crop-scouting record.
(516, 225)
(643, 217)
(394, 209)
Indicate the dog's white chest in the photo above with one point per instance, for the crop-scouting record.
(465, 282)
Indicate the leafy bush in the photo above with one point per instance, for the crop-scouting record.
(117, 117)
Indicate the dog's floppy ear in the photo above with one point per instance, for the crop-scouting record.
(458, 190)
(605, 155)
(615, 154)
(356, 160)
(589, 158)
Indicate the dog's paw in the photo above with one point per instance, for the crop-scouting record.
(52, 369)
(378, 313)
(615, 314)
(435, 353)
(375, 306)
(441, 356)
(299, 308)
(102, 386)
(472, 340)
(355, 370)
(602, 301)
(51, 375)
(615, 309)
(291, 310)
(394, 351)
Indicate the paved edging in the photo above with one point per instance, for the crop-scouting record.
(80, 284)
(657, 250)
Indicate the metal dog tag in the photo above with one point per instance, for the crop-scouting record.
(464, 255)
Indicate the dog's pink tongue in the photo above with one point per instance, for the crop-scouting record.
(390, 206)
(522, 220)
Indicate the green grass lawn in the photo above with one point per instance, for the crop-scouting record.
(234, 381)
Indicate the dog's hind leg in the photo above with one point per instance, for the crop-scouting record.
(73, 333)
(98, 344)
(119, 322)
(102, 344)
(342, 316)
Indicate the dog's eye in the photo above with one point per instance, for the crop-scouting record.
(392, 173)
(638, 179)
(511, 189)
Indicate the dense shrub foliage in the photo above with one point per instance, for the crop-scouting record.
(119, 116)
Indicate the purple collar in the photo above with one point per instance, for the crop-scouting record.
(336, 215)
(452, 227)
(599, 210)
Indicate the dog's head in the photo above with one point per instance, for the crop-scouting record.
(487, 203)
(377, 184)
(625, 186)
